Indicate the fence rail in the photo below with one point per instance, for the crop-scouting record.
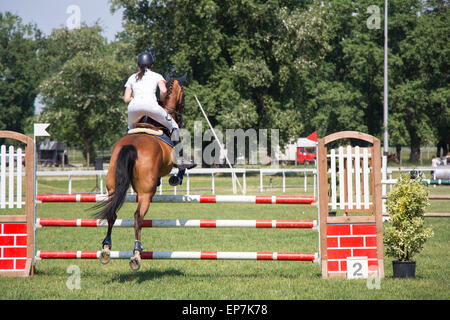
(305, 173)
(12, 167)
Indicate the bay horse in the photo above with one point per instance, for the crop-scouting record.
(140, 160)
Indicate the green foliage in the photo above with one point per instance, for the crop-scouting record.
(346, 91)
(296, 66)
(83, 100)
(419, 98)
(406, 234)
(245, 59)
(20, 71)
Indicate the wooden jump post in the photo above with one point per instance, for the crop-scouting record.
(17, 231)
(355, 193)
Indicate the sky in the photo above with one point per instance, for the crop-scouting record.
(51, 14)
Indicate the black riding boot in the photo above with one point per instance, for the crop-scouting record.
(179, 159)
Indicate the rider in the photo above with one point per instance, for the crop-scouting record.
(140, 95)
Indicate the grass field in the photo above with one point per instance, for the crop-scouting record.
(222, 280)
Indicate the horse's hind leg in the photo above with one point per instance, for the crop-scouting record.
(107, 242)
(105, 254)
(143, 205)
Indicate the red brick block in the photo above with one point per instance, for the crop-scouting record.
(338, 230)
(371, 241)
(369, 253)
(339, 253)
(14, 252)
(351, 242)
(343, 264)
(15, 228)
(20, 264)
(332, 242)
(6, 264)
(333, 265)
(6, 240)
(358, 229)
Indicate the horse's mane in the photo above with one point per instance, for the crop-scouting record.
(169, 86)
(179, 100)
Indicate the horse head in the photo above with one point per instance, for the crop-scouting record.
(393, 158)
(174, 99)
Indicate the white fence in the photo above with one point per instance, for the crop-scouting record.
(212, 172)
(11, 175)
(303, 176)
(11, 172)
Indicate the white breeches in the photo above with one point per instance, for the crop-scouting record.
(138, 108)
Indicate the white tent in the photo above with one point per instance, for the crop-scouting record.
(305, 142)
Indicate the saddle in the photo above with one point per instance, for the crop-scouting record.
(149, 126)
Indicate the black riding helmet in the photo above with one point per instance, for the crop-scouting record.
(145, 59)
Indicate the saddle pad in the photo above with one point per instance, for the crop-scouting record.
(165, 138)
(157, 134)
(146, 130)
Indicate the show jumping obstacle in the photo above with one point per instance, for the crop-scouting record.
(355, 189)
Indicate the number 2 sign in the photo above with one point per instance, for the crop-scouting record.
(357, 267)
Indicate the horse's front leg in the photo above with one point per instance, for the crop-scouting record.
(143, 205)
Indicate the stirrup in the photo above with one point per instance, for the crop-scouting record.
(177, 179)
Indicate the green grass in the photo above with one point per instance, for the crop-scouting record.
(222, 280)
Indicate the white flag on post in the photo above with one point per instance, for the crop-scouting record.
(39, 130)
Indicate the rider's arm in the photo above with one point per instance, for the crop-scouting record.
(162, 89)
(128, 96)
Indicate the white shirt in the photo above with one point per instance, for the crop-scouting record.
(146, 87)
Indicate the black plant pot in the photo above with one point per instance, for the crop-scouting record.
(332, 213)
(404, 269)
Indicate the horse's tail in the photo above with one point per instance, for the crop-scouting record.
(125, 162)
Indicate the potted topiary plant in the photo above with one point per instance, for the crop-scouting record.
(405, 233)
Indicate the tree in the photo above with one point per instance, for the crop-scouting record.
(302, 66)
(21, 71)
(346, 91)
(245, 60)
(422, 90)
(83, 100)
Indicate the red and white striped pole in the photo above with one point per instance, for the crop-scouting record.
(182, 255)
(182, 198)
(193, 223)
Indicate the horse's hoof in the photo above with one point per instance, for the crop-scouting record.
(135, 262)
(105, 255)
(175, 181)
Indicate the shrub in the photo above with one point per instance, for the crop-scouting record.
(405, 234)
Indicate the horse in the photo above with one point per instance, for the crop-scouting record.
(140, 160)
(393, 158)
